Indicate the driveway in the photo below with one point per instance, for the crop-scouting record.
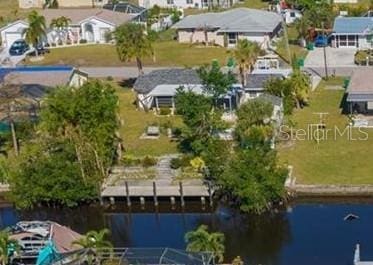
(339, 61)
(9, 61)
(335, 57)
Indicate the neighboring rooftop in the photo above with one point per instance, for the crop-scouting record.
(355, 25)
(77, 15)
(234, 20)
(173, 76)
(360, 87)
(257, 81)
(127, 8)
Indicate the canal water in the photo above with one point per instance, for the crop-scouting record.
(305, 233)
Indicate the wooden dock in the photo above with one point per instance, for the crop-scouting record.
(155, 191)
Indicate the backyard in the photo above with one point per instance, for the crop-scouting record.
(337, 160)
(134, 123)
(167, 53)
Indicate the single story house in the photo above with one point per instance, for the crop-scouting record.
(291, 15)
(158, 88)
(62, 3)
(360, 91)
(226, 28)
(183, 4)
(352, 32)
(89, 25)
(32, 83)
(255, 84)
(12, 32)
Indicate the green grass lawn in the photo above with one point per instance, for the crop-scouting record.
(167, 53)
(134, 123)
(9, 11)
(336, 160)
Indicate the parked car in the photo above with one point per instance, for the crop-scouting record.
(19, 47)
(41, 51)
(321, 41)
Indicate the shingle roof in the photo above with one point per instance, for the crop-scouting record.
(78, 15)
(234, 20)
(45, 79)
(259, 80)
(361, 81)
(173, 76)
(274, 100)
(357, 25)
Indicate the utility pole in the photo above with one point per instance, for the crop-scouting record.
(324, 49)
(287, 42)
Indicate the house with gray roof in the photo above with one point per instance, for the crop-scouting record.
(352, 32)
(158, 88)
(226, 28)
(255, 84)
(360, 91)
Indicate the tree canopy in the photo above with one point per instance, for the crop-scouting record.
(132, 41)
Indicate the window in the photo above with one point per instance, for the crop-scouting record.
(189, 2)
(170, 2)
(292, 14)
(232, 38)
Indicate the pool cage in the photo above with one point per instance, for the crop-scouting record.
(139, 256)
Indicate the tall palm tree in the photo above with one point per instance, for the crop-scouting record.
(60, 24)
(201, 240)
(36, 29)
(245, 54)
(132, 41)
(7, 245)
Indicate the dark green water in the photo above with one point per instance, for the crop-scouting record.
(303, 234)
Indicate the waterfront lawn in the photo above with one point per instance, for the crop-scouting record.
(134, 123)
(167, 53)
(334, 161)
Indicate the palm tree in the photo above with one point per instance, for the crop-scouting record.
(94, 240)
(60, 24)
(50, 4)
(300, 84)
(36, 29)
(201, 240)
(7, 246)
(245, 54)
(302, 26)
(133, 42)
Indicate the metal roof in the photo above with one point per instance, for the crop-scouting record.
(234, 20)
(353, 25)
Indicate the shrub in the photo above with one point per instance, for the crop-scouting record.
(60, 42)
(131, 161)
(175, 163)
(164, 111)
(82, 41)
(53, 44)
(109, 78)
(148, 161)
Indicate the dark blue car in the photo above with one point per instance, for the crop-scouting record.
(19, 47)
(321, 41)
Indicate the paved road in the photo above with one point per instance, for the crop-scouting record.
(116, 72)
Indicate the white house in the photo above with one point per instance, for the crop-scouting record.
(290, 15)
(62, 3)
(226, 28)
(187, 3)
(12, 32)
(89, 25)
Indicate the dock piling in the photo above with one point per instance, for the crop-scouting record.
(181, 194)
(142, 202)
(155, 194)
(128, 195)
(112, 200)
(210, 194)
(172, 200)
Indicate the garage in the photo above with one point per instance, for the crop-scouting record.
(12, 32)
(11, 37)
